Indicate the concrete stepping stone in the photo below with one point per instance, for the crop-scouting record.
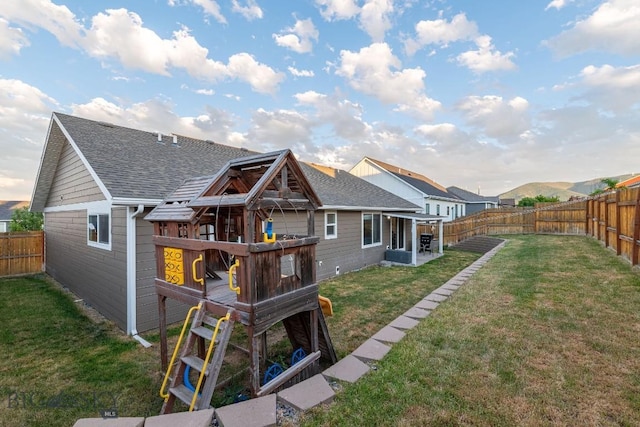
(348, 369)
(371, 350)
(426, 304)
(436, 297)
(183, 419)
(110, 422)
(258, 412)
(416, 313)
(450, 286)
(308, 393)
(389, 334)
(403, 322)
(442, 291)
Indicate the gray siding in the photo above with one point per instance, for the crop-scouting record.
(345, 251)
(72, 182)
(147, 299)
(98, 276)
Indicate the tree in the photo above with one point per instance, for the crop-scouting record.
(610, 184)
(531, 201)
(24, 220)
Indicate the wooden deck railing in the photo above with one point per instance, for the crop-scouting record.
(21, 253)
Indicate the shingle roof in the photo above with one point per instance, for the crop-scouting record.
(471, 197)
(417, 180)
(8, 206)
(132, 164)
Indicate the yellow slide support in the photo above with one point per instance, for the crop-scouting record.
(325, 304)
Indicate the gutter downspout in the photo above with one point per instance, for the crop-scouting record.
(131, 276)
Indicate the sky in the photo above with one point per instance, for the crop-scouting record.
(482, 95)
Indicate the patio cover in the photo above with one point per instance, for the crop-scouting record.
(418, 218)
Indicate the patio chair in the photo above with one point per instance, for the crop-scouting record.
(425, 242)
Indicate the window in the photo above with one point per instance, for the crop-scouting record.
(371, 229)
(99, 231)
(437, 209)
(427, 209)
(330, 225)
(448, 210)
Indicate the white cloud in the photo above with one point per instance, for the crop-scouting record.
(374, 18)
(210, 7)
(250, 12)
(343, 116)
(441, 32)
(300, 73)
(496, 117)
(261, 77)
(299, 37)
(486, 58)
(121, 35)
(24, 118)
(370, 72)
(338, 9)
(611, 28)
(556, 4)
(279, 129)
(11, 39)
(616, 88)
(58, 20)
(158, 115)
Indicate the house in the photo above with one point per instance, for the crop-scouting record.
(632, 182)
(474, 202)
(96, 182)
(6, 211)
(411, 186)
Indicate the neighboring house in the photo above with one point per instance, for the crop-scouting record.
(632, 182)
(97, 181)
(411, 186)
(474, 202)
(6, 211)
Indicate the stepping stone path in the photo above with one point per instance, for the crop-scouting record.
(317, 390)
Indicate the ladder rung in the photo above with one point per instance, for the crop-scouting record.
(183, 393)
(212, 321)
(195, 362)
(203, 332)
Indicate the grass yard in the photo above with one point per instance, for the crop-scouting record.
(58, 365)
(546, 334)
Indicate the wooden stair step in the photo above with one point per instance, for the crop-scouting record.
(195, 363)
(183, 393)
(204, 332)
(212, 321)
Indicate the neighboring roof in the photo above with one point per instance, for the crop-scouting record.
(630, 182)
(471, 197)
(8, 206)
(338, 188)
(132, 164)
(417, 180)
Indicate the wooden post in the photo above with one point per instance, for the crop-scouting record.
(636, 232)
(162, 314)
(618, 241)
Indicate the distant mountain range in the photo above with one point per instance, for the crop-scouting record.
(562, 190)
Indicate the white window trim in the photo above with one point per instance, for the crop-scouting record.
(328, 236)
(106, 246)
(372, 245)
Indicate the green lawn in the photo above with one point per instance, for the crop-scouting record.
(544, 334)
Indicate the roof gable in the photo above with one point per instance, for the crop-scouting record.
(138, 166)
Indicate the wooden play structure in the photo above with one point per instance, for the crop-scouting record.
(216, 250)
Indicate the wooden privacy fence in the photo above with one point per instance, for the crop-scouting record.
(21, 252)
(613, 218)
